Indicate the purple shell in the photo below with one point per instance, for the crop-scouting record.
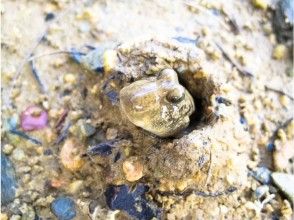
(33, 118)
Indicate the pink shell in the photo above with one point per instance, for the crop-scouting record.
(30, 122)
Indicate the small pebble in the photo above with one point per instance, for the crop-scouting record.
(87, 129)
(123, 198)
(64, 208)
(7, 149)
(111, 133)
(49, 16)
(262, 174)
(69, 78)
(285, 183)
(109, 60)
(18, 154)
(102, 149)
(279, 52)
(15, 217)
(284, 100)
(133, 169)
(261, 4)
(33, 118)
(70, 155)
(286, 210)
(3, 216)
(261, 191)
(75, 186)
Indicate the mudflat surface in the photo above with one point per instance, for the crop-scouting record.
(261, 103)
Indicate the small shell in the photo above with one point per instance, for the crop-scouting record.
(133, 169)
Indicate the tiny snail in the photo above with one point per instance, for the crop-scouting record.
(159, 104)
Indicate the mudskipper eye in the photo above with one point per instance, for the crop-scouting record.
(176, 95)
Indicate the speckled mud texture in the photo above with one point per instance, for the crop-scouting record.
(147, 110)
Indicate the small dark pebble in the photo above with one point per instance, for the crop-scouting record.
(262, 174)
(243, 121)
(113, 97)
(102, 149)
(8, 180)
(222, 100)
(49, 16)
(270, 147)
(133, 202)
(63, 208)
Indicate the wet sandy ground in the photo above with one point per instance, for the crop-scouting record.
(80, 23)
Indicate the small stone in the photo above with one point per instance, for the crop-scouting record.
(18, 154)
(75, 186)
(279, 52)
(290, 71)
(85, 15)
(109, 60)
(286, 210)
(261, 4)
(33, 118)
(262, 174)
(133, 169)
(285, 183)
(111, 133)
(64, 208)
(3, 216)
(261, 191)
(134, 201)
(284, 100)
(7, 149)
(102, 149)
(70, 155)
(69, 78)
(87, 129)
(8, 181)
(15, 217)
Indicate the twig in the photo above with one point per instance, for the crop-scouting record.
(278, 91)
(61, 119)
(50, 54)
(36, 75)
(209, 168)
(63, 134)
(234, 64)
(25, 136)
(233, 24)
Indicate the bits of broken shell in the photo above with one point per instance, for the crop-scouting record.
(123, 198)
